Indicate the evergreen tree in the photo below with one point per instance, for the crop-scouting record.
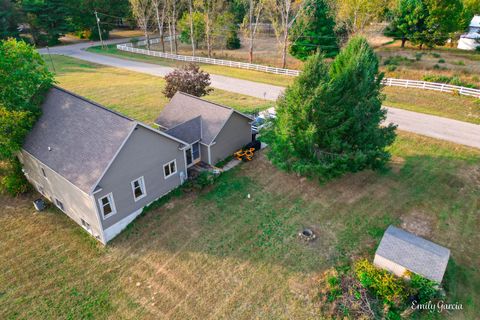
(328, 121)
(9, 19)
(313, 30)
(233, 41)
(47, 20)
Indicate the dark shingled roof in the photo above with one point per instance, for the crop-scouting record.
(183, 107)
(414, 253)
(83, 137)
(189, 131)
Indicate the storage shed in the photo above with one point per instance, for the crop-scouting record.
(400, 251)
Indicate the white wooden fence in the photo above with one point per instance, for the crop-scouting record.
(227, 63)
(442, 87)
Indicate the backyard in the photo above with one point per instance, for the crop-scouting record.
(217, 253)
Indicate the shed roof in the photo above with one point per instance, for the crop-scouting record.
(184, 107)
(188, 131)
(76, 137)
(414, 253)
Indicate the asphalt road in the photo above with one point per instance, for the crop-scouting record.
(428, 125)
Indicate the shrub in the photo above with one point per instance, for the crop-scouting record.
(424, 289)
(418, 56)
(436, 55)
(382, 283)
(205, 179)
(436, 67)
(233, 41)
(397, 60)
(441, 61)
(455, 80)
(460, 63)
(391, 68)
(15, 182)
(189, 79)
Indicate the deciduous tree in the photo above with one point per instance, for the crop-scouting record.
(143, 12)
(189, 79)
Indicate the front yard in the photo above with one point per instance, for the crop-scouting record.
(219, 254)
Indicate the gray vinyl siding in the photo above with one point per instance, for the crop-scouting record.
(204, 153)
(77, 204)
(235, 134)
(144, 154)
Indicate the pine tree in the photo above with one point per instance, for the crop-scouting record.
(314, 30)
(329, 121)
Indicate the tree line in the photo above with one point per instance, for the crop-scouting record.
(44, 22)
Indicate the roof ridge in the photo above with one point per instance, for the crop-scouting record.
(211, 102)
(96, 104)
(425, 244)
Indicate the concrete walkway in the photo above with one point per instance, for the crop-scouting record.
(432, 126)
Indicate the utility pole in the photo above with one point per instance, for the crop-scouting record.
(51, 60)
(99, 31)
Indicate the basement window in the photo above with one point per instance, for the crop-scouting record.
(138, 189)
(59, 205)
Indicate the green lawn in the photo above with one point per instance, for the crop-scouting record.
(251, 75)
(217, 254)
(134, 94)
(436, 103)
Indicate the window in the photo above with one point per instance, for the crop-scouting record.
(43, 173)
(195, 151)
(138, 188)
(59, 205)
(170, 169)
(86, 226)
(107, 205)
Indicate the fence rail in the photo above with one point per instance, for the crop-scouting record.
(442, 87)
(435, 86)
(128, 47)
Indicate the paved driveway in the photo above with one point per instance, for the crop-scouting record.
(432, 126)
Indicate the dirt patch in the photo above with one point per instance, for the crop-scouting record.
(418, 223)
(396, 164)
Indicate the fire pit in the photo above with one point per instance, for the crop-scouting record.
(307, 235)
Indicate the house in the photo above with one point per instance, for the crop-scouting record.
(400, 251)
(97, 166)
(470, 40)
(212, 131)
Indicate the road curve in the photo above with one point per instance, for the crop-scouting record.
(436, 127)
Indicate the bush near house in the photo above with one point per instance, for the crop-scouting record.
(24, 79)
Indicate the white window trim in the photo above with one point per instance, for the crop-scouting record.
(171, 173)
(112, 204)
(56, 204)
(141, 181)
(89, 228)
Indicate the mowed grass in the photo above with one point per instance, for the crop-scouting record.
(134, 94)
(436, 103)
(251, 75)
(219, 254)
